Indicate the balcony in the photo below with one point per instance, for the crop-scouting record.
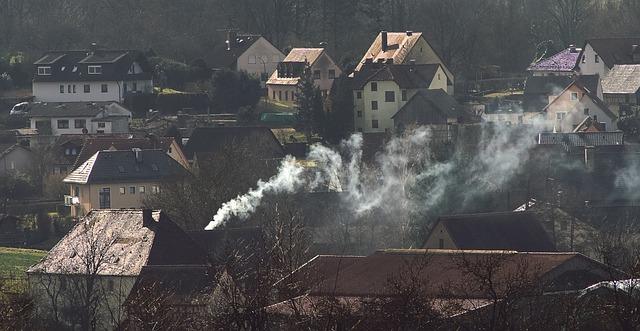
(71, 200)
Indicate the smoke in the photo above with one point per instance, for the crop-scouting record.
(287, 180)
(418, 171)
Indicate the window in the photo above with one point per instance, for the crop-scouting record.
(286, 95)
(61, 88)
(274, 95)
(63, 124)
(586, 111)
(101, 124)
(316, 74)
(520, 119)
(132, 190)
(94, 70)
(597, 58)
(80, 124)
(438, 76)
(389, 96)
(374, 86)
(574, 96)
(104, 88)
(374, 105)
(252, 59)
(374, 124)
(74, 88)
(404, 95)
(105, 198)
(280, 95)
(358, 94)
(141, 189)
(12, 165)
(134, 86)
(125, 87)
(44, 71)
(100, 131)
(155, 189)
(68, 88)
(332, 74)
(584, 58)
(441, 243)
(87, 88)
(560, 115)
(359, 113)
(123, 190)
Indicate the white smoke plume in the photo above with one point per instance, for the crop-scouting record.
(407, 176)
(289, 179)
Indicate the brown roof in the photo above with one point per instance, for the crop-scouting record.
(128, 239)
(519, 231)
(93, 145)
(318, 269)
(309, 55)
(450, 270)
(401, 44)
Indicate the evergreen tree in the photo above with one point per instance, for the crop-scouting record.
(311, 115)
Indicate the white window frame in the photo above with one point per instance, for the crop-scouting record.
(94, 70)
(44, 71)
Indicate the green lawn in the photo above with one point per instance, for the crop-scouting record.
(17, 260)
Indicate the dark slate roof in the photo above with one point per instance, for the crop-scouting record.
(614, 50)
(223, 58)
(255, 142)
(94, 145)
(519, 231)
(73, 109)
(73, 65)
(436, 99)
(581, 139)
(173, 285)
(122, 166)
(407, 76)
(130, 238)
(546, 84)
(564, 60)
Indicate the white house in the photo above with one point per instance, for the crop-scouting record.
(92, 75)
(79, 117)
(248, 52)
(403, 48)
(599, 55)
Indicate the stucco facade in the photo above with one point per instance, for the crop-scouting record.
(88, 91)
(439, 238)
(260, 60)
(369, 120)
(591, 63)
(571, 107)
(88, 195)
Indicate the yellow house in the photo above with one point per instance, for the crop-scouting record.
(403, 48)
(119, 179)
(381, 89)
(282, 85)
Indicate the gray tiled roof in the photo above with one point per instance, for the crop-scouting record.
(579, 139)
(120, 166)
(624, 79)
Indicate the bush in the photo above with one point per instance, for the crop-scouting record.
(232, 90)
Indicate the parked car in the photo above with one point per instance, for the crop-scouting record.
(19, 109)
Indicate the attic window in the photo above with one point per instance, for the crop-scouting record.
(44, 71)
(597, 58)
(94, 70)
(74, 69)
(154, 167)
(121, 169)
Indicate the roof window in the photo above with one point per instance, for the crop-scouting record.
(94, 70)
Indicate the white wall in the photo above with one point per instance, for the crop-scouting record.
(590, 66)
(92, 127)
(265, 57)
(50, 91)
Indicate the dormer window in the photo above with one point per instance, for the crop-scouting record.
(94, 70)
(44, 71)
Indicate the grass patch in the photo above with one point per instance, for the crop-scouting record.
(15, 261)
(273, 106)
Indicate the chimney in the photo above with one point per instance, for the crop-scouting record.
(572, 48)
(138, 153)
(589, 157)
(409, 33)
(385, 41)
(93, 48)
(231, 39)
(147, 218)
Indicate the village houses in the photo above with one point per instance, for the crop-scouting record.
(79, 118)
(282, 86)
(91, 75)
